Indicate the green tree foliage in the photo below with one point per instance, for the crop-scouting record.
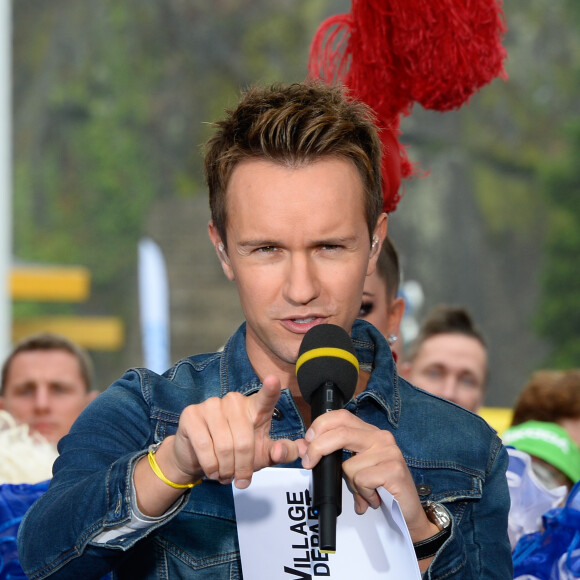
(112, 101)
(84, 179)
(558, 317)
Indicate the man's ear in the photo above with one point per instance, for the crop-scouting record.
(404, 370)
(221, 251)
(379, 235)
(92, 395)
(396, 312)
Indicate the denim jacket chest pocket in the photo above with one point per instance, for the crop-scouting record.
(453, 486)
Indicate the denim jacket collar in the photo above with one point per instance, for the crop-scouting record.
(372, 351)
(236, 372)
(374, 356)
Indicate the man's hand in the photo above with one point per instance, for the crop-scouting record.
(376, 462)
(228, 438)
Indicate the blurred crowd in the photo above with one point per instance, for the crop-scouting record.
(448, 357)
(47, 382)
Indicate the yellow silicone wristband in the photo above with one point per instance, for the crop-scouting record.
(157, 471)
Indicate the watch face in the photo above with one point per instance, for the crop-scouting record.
(438, 515)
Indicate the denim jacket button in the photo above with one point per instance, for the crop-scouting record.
(423, 489)
(277, 414)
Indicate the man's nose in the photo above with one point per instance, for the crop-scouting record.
(301, 286)
(450, 388)
(42, 397)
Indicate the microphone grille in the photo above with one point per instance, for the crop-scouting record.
(327, 354)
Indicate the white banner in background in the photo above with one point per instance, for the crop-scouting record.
(279, 538)
(153, 306)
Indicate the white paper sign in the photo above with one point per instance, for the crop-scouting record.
(279, 538)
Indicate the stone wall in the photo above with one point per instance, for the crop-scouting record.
(204, 304)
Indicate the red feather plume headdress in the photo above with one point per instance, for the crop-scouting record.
(393, 53)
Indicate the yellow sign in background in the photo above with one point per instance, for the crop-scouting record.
(62, 284)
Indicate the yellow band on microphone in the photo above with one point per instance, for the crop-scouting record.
(327, 351)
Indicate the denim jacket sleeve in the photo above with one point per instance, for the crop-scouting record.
(478, 546)
(91, 489)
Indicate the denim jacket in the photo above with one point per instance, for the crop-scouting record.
(454, 457)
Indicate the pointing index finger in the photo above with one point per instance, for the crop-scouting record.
(266, 398)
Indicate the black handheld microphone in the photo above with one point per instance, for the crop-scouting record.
(327, 371)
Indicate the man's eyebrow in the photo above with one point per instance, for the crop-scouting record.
(23, 384)
(245, 245)
(435, 364)
(336, 240)
(333, 241)
(257, 243)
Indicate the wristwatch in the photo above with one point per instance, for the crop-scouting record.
(438, 515)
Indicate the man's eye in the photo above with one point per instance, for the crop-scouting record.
(434, 373)
(267, 249)
(365, 309)
(469, 381)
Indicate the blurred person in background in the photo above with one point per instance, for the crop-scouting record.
(449, 357)
(554, 455)
(26, 460)
(46, 383)
(551, 396)
(381, 305)
(545, 458)
(544, 467)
